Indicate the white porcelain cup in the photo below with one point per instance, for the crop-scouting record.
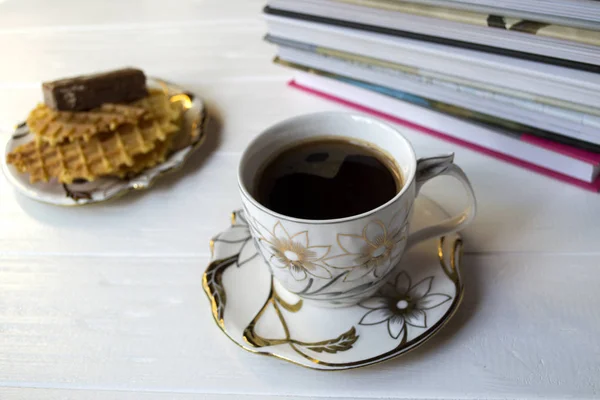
(339, 262)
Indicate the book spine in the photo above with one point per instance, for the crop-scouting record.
(513, 74)
(593, 186)
(493, 21)
(564, 144)
(573, 62)
(582, 150)
(428, 89)
(537, 100)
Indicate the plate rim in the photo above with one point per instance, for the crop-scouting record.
(202, 134)
(455, 256)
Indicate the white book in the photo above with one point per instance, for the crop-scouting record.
(547, 80)
(454, 127)
(575, 125)
(579, 13)
(483, 35)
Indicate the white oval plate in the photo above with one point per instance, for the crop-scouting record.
(422, 294)
(102, 189)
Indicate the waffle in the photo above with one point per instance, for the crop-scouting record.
(101, 155)
(167, 109)
(58, 126)
(148, 160)
(138, 136)
(159, 105)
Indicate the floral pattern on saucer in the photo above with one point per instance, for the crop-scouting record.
(105, 188)
(399, 303)
(254, 311)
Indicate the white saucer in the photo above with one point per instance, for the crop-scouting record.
(102, 189)
(259, 315)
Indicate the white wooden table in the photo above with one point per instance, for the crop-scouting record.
(105, 302)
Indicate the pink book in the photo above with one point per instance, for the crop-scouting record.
(583, 155)
(573, 152)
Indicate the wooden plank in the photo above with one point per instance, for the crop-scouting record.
(518, 210)
(104, 302)
(65, 394)
(71, 14)
(178, 51)
(527, 328)
(184, 210)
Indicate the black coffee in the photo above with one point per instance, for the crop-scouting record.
(325, 179)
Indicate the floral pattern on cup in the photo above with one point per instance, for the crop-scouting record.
(293, 252)
(376, 250)
(402, 304)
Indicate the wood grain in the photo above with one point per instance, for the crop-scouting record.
(62, 394)
(144, 324)
(181, 212)
(105, 302)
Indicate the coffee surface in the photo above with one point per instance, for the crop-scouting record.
(327, 179)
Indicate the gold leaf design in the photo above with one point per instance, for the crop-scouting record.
(212, 282)
(451, 270)
(341, 343)
(253, 338)
(290, 307)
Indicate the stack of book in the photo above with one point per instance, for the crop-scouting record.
(518, 80)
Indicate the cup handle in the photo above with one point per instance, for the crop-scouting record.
(429, 168)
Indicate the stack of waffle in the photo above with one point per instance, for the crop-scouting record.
(109, 140)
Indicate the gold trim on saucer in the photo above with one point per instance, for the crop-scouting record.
(455, 254)
(212, 284)
(341, 343)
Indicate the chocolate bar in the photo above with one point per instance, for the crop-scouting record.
(90, 91)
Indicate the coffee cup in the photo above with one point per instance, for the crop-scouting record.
(340, 262)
